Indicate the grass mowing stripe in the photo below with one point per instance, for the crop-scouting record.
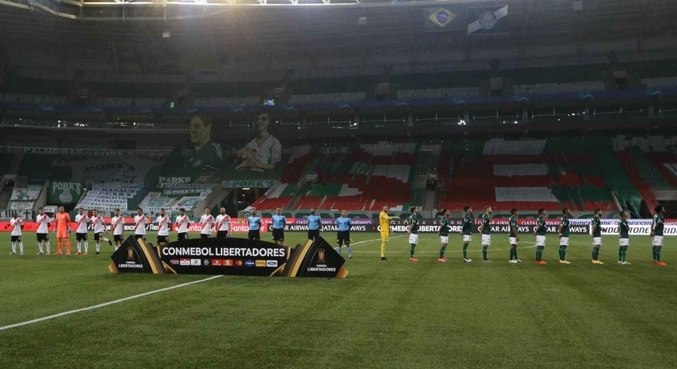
(98, 306)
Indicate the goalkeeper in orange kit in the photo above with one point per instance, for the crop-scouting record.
(63, 230)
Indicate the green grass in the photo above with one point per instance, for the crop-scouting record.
(390, 314)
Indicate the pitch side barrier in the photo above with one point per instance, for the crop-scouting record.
(638, 227)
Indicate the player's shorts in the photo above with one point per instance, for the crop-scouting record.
(162, 239)
(182, 236)
(117, 237)
(278, 234)
(657, 241)
(42, 237)
(467, 238)
(444, 239)
(254, 234)
(564, 241)
(597, 241)
(623, 242)
(203, 235)
(513, 240)
(413, 239)
(97, 236)
(343, 237)
(15, 238)
(313, 234)
(486, 239)
(385, 235)
(81, 236)
(540, 240)
(137, 236)
(221, 234)
(61, 233)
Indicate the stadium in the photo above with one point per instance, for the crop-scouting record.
(338, 183)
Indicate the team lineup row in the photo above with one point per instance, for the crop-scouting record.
(221, 225)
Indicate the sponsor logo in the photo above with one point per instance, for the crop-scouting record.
(322, 268)
(260, 263)
(174, 261)
(321, 257)
(195, 262)
(228, 262)
(217, 262)
(184, 262)
(205, 262)
(238, 263)
(249, 263)
(271, 263)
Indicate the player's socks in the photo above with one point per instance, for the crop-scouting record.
(350, 252)
(562, 252)
(465, 250)
(539, 253)
(442, 250)
(412, 247)
(68, 247)
(40, 248)
(48, 248)
(595, 253)
(485, 249)
(620, 254)
(98, 247)
(383, 249)
(85, 246)
(658, 254)
(512, 249)
(515, 254)
(58, 246)
(653, 250)
(78, 245)
(21, 247)
(13, 248)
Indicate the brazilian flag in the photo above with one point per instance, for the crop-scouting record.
(441, 18)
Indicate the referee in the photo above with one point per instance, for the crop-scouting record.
(279, 221)
(314, 225)
(343, 234)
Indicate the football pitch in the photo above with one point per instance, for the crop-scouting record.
(392, 314)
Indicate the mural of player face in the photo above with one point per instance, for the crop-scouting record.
(199, 131)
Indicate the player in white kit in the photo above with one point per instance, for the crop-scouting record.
(163, 223)
(182, 223)
(16, 223)
(81, 231)
(140, 224)
(43, 232)
(222, 224)
(207, 224)
(99, 229)
(117, 225)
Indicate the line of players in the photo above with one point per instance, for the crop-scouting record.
(563, 230)
(221, 225)
(61, 224)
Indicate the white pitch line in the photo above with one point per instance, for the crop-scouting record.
(98, 306)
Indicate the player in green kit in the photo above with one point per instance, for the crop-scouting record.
(657, 235)
(466, 231)
(596, 231)
(485, 229)
(623, 239)
(513, 237)
(540, 236)
(445, 225)
(412, 229)
(564, 236)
